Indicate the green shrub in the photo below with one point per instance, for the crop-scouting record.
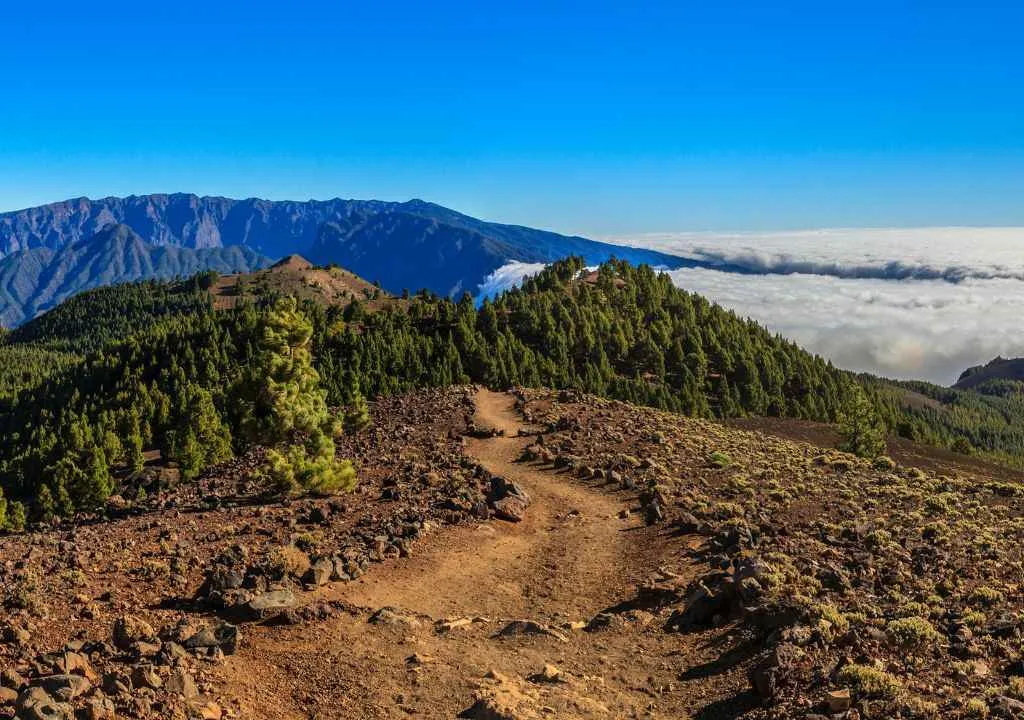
(870, 682)
(912, 632)
(720, 460)
(976, 708)
(985, 595)
(884, 462)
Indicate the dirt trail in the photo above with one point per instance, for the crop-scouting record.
(569, 559)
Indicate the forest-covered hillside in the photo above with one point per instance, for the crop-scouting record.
(155, 366)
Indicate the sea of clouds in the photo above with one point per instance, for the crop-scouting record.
(918, 303)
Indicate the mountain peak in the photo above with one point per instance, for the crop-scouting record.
(296, 262)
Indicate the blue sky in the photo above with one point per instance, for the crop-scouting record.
(598, 118)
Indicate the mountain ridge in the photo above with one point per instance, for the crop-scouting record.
(997, 369)
(440, 249)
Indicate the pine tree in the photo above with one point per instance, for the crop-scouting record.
(201, 438)
(16, 517)
(862, 430)
(133, 442)
(283, 405)
(357, 412)
(45, 504)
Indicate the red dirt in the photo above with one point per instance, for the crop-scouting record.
(571, 558)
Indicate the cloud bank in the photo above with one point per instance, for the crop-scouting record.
(950, 254)
(918, 303)
(925, 329)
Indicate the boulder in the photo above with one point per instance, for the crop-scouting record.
(508, 499)
(117, 683)
(64, 687)
(145, 676)
(839, 701)
(772, 667)
(512, 509)
(11, 678)
(707, 600)
(522, 628)
(36, 704)
(220, 579)
(181, 682)
(270, 604)
(100, 708)
(223, 635)
(393, 616)
(129, 629)
(74, 663)
(319, 572)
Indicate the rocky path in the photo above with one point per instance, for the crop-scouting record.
(439, 649)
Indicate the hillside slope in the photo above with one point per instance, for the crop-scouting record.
(298, 277)
(646, 577)
(997, 370)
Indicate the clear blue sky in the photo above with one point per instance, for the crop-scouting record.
(590, 117)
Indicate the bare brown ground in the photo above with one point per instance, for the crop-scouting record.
(571, 558)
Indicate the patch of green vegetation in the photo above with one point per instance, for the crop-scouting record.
(870, 682)
(719, 460)
(912, 632)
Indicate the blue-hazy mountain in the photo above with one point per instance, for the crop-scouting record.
(47, 252)
(36, 279)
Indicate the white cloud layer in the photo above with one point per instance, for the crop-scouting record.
(919, 303)
(951, 254)
(922, 329)
(507, 276)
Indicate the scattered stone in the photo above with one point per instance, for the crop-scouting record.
(839, 700)
(145, 676)
(393, 616)
(270, 604)
(224, 636)
(129, 629)
(36, 704)
(181, 682)
(523, 628)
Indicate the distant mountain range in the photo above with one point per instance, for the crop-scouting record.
(50, 252)
(36, 279)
